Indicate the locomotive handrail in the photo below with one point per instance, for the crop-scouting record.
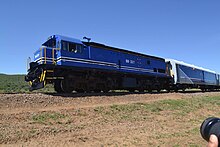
(45, 56)
(28, 63)
(53, 58)
(41, 55)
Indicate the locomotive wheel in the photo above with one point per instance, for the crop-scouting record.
(80, 90)
(131, 90)
(158, 90)
(57, 86)
(105, 90)
(97, 90)
(176, 89)
(65, 86)
(203, 89)
(141, 90)
(149, 90)
(88, 91)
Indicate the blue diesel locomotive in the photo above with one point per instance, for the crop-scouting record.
(84, 66)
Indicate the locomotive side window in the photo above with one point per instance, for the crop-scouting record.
(65, 46)
(76, 48)
(79, 48)
(72, 48)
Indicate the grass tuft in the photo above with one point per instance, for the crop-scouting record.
(48, 118)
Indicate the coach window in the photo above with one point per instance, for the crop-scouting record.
(148, 62)
(161, 70)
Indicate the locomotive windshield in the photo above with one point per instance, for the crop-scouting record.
(50, 43)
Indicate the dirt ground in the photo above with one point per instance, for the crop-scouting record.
(99, 120)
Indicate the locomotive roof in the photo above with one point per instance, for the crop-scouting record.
(60, 37)
(190, 65)
(120, 50)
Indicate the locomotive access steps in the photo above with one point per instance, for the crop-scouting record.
(49, 76)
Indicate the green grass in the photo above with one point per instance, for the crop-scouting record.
(179, 107)
(48, 118)
(17, 84)
(12, 84)
(158, 106)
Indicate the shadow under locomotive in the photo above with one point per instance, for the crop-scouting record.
(108, 94)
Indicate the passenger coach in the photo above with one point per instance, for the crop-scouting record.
(191, 76)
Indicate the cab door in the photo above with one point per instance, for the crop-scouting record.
(56, 52)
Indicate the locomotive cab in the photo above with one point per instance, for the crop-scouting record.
(52, 51)
(46, 54)
(56, 51)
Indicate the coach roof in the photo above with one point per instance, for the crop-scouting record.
(190, 65)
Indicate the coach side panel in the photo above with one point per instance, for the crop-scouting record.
(210, 78)
(189, 75)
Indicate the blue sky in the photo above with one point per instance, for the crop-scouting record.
(186, 30)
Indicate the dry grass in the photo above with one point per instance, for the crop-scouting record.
(167, 122)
